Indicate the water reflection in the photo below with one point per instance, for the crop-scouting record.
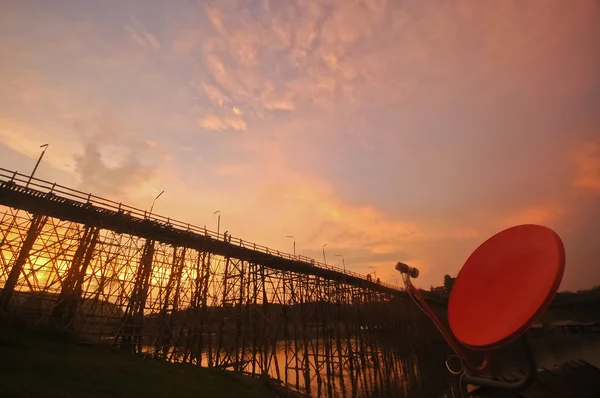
(345, 369)
(377, 374)
(390, 373)
(556, 349)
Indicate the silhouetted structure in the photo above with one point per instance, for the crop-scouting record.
(110, 273)
(448, 283)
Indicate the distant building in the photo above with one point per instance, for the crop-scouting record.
(448, 283)
(438, 290)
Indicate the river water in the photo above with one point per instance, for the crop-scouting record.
(416, 375)
(554, 350)
(426, 376)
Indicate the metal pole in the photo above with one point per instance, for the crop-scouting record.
(154, 201)
(343, 260)
(45, 146)
(218, 221)
(292, 237)
(324, 258)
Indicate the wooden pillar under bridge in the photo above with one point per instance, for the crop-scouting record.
(198, 312)
(225, 313)
(306, 330)
(70, 295)
(37, 223)
(265, 342)
(240, 341)
(338, 322)
(166, 335)
(193, 345)
(316, 320)
(134, 314)
(208, 318)
(286, 334)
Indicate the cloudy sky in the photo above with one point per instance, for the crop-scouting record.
(388, 130)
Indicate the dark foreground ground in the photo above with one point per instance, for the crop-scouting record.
(35, 365)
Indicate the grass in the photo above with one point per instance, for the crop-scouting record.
(35, 365)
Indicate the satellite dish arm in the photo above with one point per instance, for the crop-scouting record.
(469, 370)
(519, 385)
(413, 292)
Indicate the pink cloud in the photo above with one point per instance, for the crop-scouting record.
(139, 34)
(186, 40)
(389, 131)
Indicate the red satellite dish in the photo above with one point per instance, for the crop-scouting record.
(505, 285)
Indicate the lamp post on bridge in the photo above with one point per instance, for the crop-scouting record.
(45, 146)
(324, 258)
(218, 221)
(374, 274)
(396, 277)
(343, 260)
(154, 201)
(292, 237)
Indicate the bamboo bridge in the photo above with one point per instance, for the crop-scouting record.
(109, 273)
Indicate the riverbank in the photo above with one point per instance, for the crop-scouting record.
(34, 364)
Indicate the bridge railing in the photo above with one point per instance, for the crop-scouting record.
(57, 191)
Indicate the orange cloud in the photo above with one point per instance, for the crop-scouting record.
(215, 95)
(587, 163)
(372, 77)
(384, 249)
(328, 218)
(26, 139)
(542, 215)
(279, 104)
(215, 123)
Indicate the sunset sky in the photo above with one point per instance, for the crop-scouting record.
(388, 130)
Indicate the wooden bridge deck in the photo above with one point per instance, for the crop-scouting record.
(65, 203)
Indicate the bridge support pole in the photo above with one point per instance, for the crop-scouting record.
(70, 295)
(204, 284)
(166, 314)
(240, 336)
(195, 335)
(134, 314)
(226, 311)
(37, 223)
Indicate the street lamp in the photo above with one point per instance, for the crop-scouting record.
(218, 221)
(396, 277)
(374, 274)
(154, 201)
(292, 237)
(45, 146)
(324, 258)
(343, 261)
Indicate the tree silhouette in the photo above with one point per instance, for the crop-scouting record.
(448, 283)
